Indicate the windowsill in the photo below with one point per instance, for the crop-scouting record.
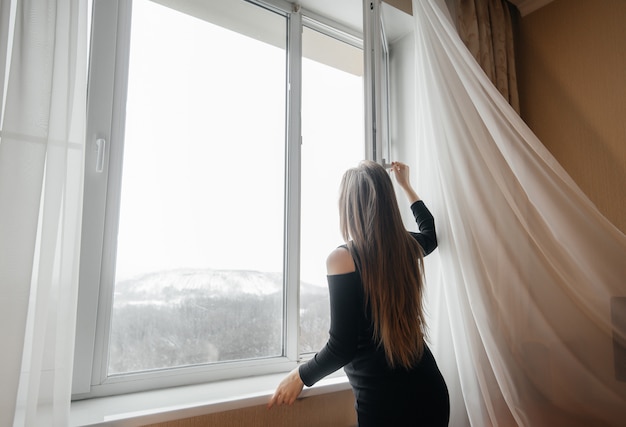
(137, 409)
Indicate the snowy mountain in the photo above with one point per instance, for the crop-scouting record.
(170, 287)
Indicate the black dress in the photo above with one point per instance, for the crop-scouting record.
(384, 396)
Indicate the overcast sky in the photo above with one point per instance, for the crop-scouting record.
(204, 150)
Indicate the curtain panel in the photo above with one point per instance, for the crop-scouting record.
(521, 288)
(43, 62)
(486, 28)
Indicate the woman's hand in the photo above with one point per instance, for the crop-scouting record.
(288, 390)
(401, 171)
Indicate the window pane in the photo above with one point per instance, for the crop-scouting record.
(332, 141)
(200, 242)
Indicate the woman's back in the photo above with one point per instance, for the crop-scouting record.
(384, 396)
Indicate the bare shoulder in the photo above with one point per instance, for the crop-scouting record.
(339, 262)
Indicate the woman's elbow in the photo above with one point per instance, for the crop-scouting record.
(431, 244)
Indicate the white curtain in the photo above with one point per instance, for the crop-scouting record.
(520, 288)
(43, 65)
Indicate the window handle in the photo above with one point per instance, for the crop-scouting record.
(100, 147)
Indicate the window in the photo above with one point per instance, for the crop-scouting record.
(210, 206)
(198, 266)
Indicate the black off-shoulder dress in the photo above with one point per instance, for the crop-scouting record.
(384, 396)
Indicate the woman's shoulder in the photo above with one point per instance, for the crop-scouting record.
(340, 261)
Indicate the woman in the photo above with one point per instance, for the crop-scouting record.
(377, 327)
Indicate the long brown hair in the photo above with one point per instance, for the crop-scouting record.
(389, 259)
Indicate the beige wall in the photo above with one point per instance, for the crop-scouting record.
(572, 80)
(404, 5)
(332, 410)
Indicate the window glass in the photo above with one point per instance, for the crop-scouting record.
(332, 141)
(199, 262)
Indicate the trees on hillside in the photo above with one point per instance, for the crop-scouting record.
(180, 327)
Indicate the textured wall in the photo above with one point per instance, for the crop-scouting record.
(572, 80)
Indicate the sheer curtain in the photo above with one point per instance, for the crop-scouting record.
(43, 47)
(521, 285)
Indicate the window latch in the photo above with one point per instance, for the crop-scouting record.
(100, 147)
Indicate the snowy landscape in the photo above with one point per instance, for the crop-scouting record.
(188, 317)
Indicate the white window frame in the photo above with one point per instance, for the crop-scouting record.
(377, 92)
(109, 61)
